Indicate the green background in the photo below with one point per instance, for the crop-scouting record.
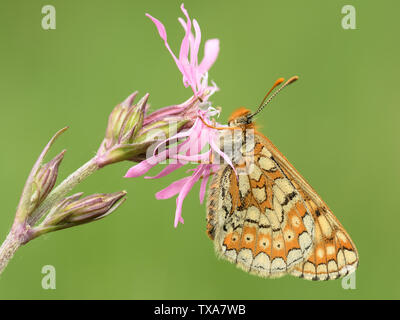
(338, 125)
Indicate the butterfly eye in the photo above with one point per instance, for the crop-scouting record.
(240, 121)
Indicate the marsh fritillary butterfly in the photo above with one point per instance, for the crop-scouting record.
(269, 221)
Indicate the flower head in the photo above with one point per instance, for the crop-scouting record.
(199, 143)
(188, 147)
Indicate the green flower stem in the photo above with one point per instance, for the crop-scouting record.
(19, 233)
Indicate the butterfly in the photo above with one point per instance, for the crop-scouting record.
(264, 217)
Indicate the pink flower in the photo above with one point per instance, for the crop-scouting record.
(188, 145)
(191, 143)
(194, 74)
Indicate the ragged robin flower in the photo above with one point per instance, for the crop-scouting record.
(189, 144)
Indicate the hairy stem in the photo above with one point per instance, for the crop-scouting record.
(8, 248)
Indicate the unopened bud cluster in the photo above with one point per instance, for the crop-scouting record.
(63, 213)
(130, 132)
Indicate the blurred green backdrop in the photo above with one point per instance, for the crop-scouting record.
(338, 125)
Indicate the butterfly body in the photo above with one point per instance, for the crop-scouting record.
(264, 217)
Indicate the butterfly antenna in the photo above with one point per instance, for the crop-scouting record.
(278, 82)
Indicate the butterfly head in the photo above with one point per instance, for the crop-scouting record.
(240, 117)
(243, 117)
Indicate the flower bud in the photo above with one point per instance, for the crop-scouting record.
(123, 125)
(40, 182)
(73, 211)
(45, 179)
(131, 132)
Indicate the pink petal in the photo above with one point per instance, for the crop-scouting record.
(183, 193)
(139, 169)
(173, 189)
(191, 45)
(211, 51)
(160, 27)
(191, 38)
(144, 166)
(223, 155)
(188, 78)
(179, 213)
(175, 137)
(197, 39)
(162, 113)
(192, 158)
(163, 35)
(203, 186)
(167, 170)
(184, 52)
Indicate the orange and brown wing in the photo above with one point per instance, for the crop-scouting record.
(257, 219)
(334, 254)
